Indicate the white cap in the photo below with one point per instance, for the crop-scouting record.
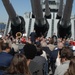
(0, 36)
(24, 34)
(73, 48)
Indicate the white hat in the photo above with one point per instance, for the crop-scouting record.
(24, 34)
(0, 36)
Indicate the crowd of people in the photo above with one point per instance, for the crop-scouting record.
(36, 55)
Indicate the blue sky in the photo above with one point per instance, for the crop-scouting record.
(20, 6)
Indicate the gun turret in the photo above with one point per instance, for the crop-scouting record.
(60, 10)
(17, 22)
(47, 10)
(41, 25)
(64, 24)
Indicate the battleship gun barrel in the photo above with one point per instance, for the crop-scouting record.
(60, 10)
(64, 25)
(17, 22)
(33, 10)
(11, 12)
(47, 9)
(41, 25)
(67, 10)
(38, 11)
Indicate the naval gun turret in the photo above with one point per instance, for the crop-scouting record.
(41, 25)
(17, 22)
(64, 24)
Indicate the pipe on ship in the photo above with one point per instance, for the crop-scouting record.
(17, 22)
(64, 24)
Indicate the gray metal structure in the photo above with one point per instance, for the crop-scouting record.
(50, 16)
(41, 25)
(64, 24)
(17, 22)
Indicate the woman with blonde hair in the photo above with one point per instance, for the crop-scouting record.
(18, 66)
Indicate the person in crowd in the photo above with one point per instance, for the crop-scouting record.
(38, 45)
(8, 40)
(54, 55)
(66, 55)
(1, 42)
(67, 43)
(23, 39)
(71, 41)
(33, 36)
(30, 51)
(28, 40)
(71, 69)
(45, 47)
(15, 46)
(41, 60)
(54, 37)
(18, 66)
(21, 43)
(50, 44)
(37, 40)
(5, 57)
